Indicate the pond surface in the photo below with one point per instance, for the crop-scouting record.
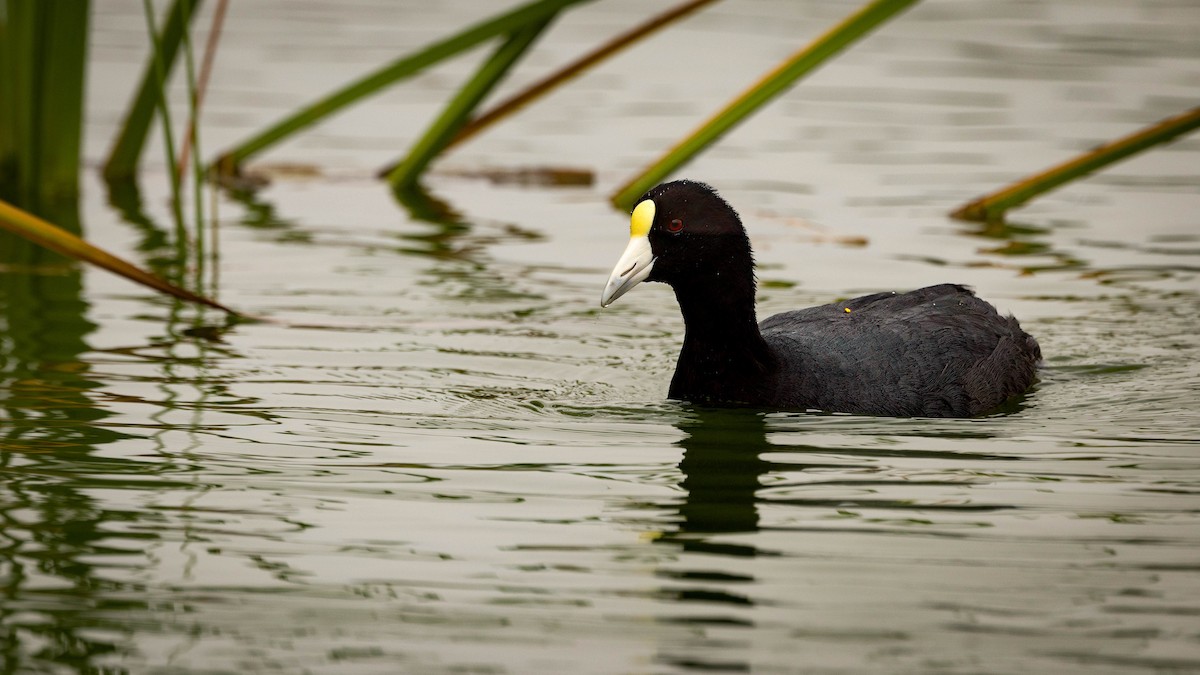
(440, 454)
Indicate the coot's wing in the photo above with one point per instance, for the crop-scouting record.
(936, 351)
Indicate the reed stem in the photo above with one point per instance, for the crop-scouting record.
(992, 207)
(459, 109)
(768, 87)
(230, 161)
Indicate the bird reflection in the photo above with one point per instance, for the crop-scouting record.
(722, 468)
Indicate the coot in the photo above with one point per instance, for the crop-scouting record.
(933, 352)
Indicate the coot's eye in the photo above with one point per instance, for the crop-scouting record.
(675, 226)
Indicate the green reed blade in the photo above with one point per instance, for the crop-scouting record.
(43, 55)
(48, 235)
(563, 75)
(400, 69)
(19, 65)
(8, 92)
(201, 86)
(771, 85)
(191, 137)
(459, 110)
(126, 152)
(991, 208)
(60, 93)
(164, 112)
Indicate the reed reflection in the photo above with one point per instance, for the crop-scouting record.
(70, 558)
(54, 535)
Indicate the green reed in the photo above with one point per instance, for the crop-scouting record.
(992, 207)
(403, 68)
(43, 58)
(760, 93)
(126, 153)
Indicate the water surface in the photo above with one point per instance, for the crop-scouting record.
(442, 456)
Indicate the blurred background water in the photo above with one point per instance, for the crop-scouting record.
(444, 457)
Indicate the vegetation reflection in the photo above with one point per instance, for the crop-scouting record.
(52, 532)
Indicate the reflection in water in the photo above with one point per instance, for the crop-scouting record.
(463, 491)
(462, 270)
(722, 469)
(1021, 242)
(424, 207)
(161, 255)
(66, 555)
(52, 532)
(452, 248)
(260, 214)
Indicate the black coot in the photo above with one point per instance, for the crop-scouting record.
(935, 352)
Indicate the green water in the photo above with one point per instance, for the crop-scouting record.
(440, 455)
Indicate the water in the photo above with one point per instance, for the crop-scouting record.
(442, 456)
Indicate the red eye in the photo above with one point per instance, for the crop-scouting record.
(675, 226)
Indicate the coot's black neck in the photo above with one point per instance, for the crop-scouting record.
(724, 358)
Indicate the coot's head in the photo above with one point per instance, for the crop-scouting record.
(682, 233)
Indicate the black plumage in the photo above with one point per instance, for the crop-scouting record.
(937, 351)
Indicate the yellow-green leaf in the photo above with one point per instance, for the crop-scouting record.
(991, 208)
(46, 234)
